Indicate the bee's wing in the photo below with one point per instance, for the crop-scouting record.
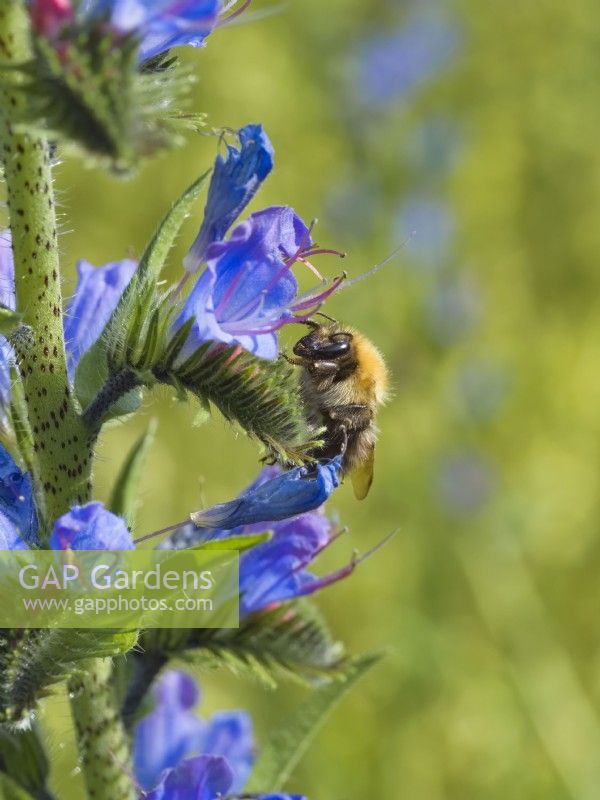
(362, 476)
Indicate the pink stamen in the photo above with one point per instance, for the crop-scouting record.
(311, 300)
(381, 264)
(324, 251)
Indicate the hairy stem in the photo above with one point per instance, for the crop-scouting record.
(103, 744)
(116, 387)
(60, 441)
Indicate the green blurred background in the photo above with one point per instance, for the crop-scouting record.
(489, 458)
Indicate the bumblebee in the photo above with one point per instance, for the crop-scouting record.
(343, 380)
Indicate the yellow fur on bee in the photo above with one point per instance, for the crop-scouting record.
(371, 373)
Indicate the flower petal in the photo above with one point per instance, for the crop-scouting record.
(284, 496)
(16, 498)
(98, 291)
(235, 180)
(90, 527)
(200, 778)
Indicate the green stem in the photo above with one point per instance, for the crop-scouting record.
(103, 743)
(62, 444)
(60, 441)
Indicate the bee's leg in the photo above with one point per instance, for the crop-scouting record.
(355, 416)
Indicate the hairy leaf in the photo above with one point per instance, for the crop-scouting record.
(262, 397)
(288, 744)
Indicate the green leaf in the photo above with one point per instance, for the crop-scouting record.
(157, 250)
(127, 326)
(23, 759)
(33, 661)
(290, 640)
(123, 500)
(10, 789)
(288, 744)
(240, 543)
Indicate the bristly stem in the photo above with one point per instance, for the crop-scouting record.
(60, 442)
(103, 743)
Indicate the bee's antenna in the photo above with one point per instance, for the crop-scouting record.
(321, 314)
(377, 267)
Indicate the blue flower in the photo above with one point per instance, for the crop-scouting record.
(200, 778)
(248, 290)
(90, 527)
(172, 732)
(98, 291)
(87, 527)
(235, 181)
(159, 24)
(96, 296)
(289, 505)
(18, 518)
(285, 495)
(392, 65)
(165, 739)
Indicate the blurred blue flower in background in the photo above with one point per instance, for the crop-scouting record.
(428, 226)
(481, 389)
(173, 731)
(393, 65)
(452, 309)
(464, 482)
(234, 182)
(433, 148)
(248, 289)
(165, 740)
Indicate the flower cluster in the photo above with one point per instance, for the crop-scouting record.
(179, 756)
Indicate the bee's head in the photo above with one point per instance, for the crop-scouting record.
(324, 343)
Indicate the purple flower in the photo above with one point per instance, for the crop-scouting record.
(392, 65)
(248, 290)
(90, 527)
(98, 291)
(172, 732)
(159, 24)
(235, 181)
